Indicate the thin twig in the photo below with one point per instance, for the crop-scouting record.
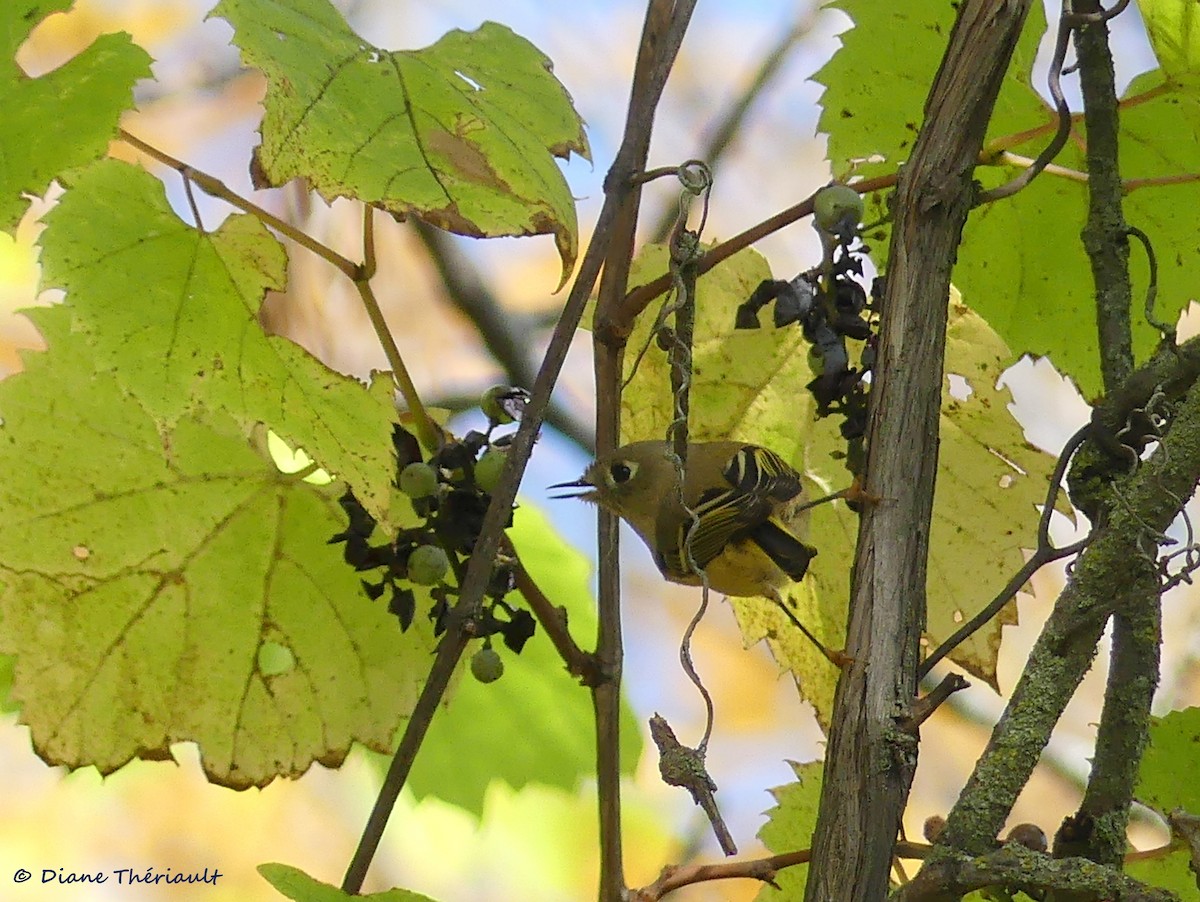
(449, 651)
(554, 622)
(427, 431)
(662, 34)
(212, 185)
(1008, 158)
(683, 766)
(619, 325)
(730, 123)
(923, 708)
(675, 877)
(1050, 151)
(191, 199)
(1186, 178)
(479, 568)
(1042, 555)
(370, 265)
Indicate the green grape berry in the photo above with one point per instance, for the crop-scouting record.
(428, 564)
(503, 403)
(837, 208)
(816, 361)
(418, 480)
(486, 665)
(489, 468)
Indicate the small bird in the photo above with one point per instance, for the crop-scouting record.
(746, 504)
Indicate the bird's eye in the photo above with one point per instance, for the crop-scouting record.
(621, 472)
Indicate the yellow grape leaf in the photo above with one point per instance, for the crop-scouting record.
(164, 582)
(750, 385)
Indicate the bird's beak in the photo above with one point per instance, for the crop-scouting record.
(585, 490)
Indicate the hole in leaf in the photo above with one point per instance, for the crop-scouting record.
(294, 460)
(472, 82)
(960, 388)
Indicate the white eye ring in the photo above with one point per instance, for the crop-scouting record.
(620, 472)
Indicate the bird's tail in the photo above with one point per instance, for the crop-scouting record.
(790, 554)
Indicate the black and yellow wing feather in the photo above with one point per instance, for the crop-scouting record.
(758, 480)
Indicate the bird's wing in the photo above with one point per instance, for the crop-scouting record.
(762, 472)
(758, 480)
(720, 517)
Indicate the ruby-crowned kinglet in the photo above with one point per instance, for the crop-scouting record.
(748, 502)
(749, 508)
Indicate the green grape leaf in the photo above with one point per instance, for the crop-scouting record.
(149, 570)
(1021, 262)
(534, 723)
(1171, 871)
(789, 827)
(750, 385)
(1173, 27)
(1026, 272)
(462, 134)
(191, 333)
(1153, 112)
(64, 118)
(298, 886)
(1165, 780)
(877, 83)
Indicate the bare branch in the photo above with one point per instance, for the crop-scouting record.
(1137, 624)
(479, 568)
(554, 621)
(869, 763)
(506, 337)
(1106, 577)
(948, 875)
(662, 34)
(924, 706)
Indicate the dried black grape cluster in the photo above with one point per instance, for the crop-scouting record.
(831, 305)
(450, 491)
